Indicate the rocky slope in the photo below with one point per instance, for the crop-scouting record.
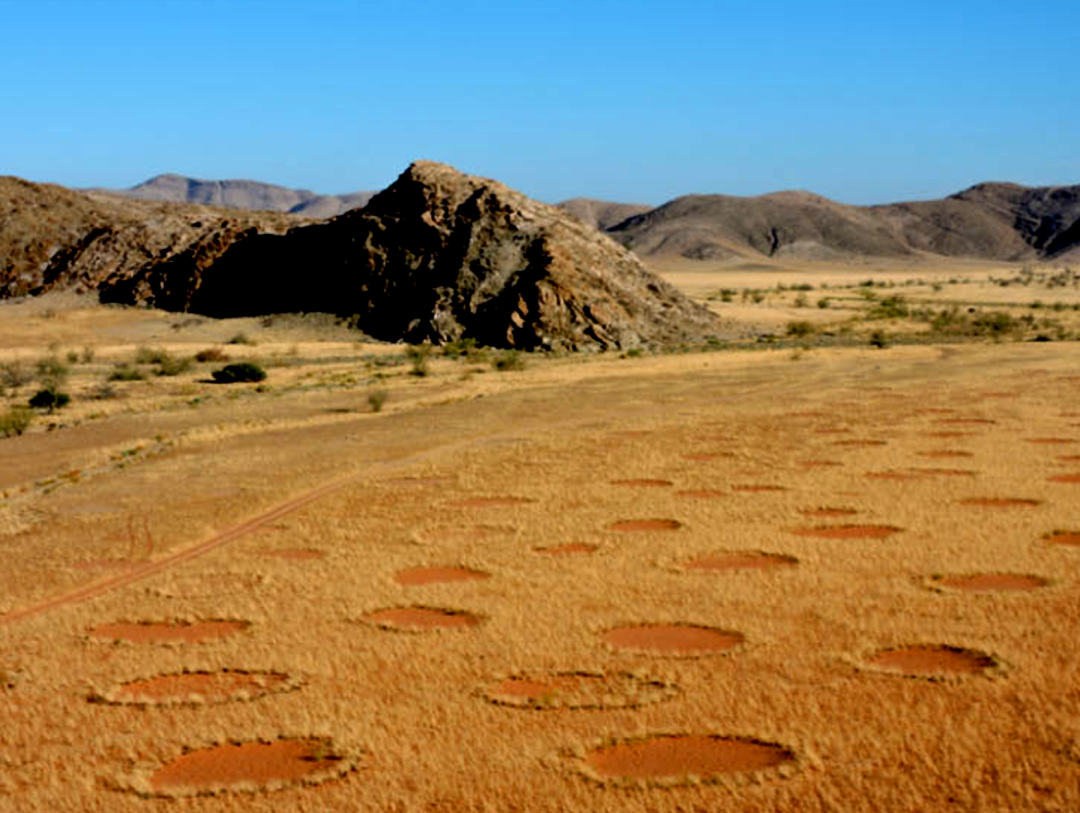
(602, 214)
(437, 256)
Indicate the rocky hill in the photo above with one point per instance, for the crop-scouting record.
(602, 214)
(437, 256)
(239, 194)
(991, 221)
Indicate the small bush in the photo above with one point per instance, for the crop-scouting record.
(87, 356)
(125, 372)
(801, 301)
(462, 348)
(173, 366)
(72, 357)
(49, 400)
(417, 355)
(824, 302)
(12, 376)
(509, 360)
(15, 421)
(239, 373)
(376, 399)
(879, 339)
(211, 354)
(891, 307)
(241, 338)
(52, 372)
(151, 355)
(800, 329)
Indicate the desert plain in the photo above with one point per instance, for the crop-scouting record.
(837, 569)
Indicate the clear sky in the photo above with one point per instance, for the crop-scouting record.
(864, 101)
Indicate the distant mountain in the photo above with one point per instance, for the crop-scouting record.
(994, 221)
(601, 214)
(238, 194)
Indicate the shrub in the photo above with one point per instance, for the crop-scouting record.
(51, 372)
(801, 301)
(509, 360)
(879, 339)
(12, 376)
(891, 307)
(800, 329)
(173, 366)
(824, 302)
(125, 372)
(239, 373)
(72, 357)
(241, 338)
(87, 355)
(211, 354)
(376, 399)
(15, 420)
(418, 354)
(150, 355)
(49, 400)
(460, 348)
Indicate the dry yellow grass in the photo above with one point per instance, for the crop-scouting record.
(413, 715)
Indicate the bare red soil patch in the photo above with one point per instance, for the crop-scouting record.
(752, 487)
(578, 690)
(827, 513)
(701, 493)
(249, 766)
(416, 576)
(677, 640)
(645, 525)
(949, 434)
(669, 758)
(200, 687)
(642, 482)
(294, 554)
(1071, 538)
(1068, 458)
(422, 619)
(167, 632)
(860, 442)
(492, 502)
(928, 661)
(992, 582)
(1064, 478)
(945, 453)
(740, 560)
(1000, 502)
(1050, 441)
(568, 549)
(848, 531)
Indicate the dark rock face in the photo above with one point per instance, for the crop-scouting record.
(437, 256)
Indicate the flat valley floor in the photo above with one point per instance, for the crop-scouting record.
(844, 579)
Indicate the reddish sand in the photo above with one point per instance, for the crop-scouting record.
(1001, 502)
(568, 549)
(1064, 478)
(642, 483)
(672, 639)
(420, 481)
(890, 475)
(1071, 538)
(211, 687)
(578, 690)
(933, 660)
(820, 464)
(848, 531)
(831, 431)
(704, 457)
(1068, 458)
(161, 632)
(860, 443)
(992, 582)
(109, 564)
(939, 453)
(684, 756)
(422, 618)
(948, 434)
(295, 554)
(416, 576)
(741, 560)
(827, 513)
(938, 472)
(645, 525)
(966, 421)
(754, 488)
(491, 502)
(1051, 441)
(701, 493)
(458, 533)
(253, 763)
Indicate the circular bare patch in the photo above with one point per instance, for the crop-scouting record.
(491, 502)
(578, 690)
(1000, 502)
(933, 660)
(250, 767)
(827, 513)
(684, 757)
(416, 576)
(740, 560)
(701, 493)
(568, 549)
(642, 482)
(752, 487)
(1071, 538)
(645, 525)
(200, 687)
(848, 531)
(422, 619)
(1064, 478)
(991, 582)
(168, 632)
(945, 453)
(294, 554)
(672, 640)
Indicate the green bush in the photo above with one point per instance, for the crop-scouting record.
(15, 421)
(417, 355)
(49, 400)
(800, 329)
(239, 373)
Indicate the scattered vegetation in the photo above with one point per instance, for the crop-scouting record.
(239, 373)
(800, 329)
(418, 354)
(509, 360)
(376, 399)
(241, 338)
(150, 355)
(879, 339)
(215, 354)
(125, 372)
(171, 365)
(15, 420)
(49, 399)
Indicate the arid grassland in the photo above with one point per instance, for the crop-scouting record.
(835, 567)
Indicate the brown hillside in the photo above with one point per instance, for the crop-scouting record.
(602, 214)
(437, 256)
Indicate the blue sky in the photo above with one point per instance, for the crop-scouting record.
(864, 101)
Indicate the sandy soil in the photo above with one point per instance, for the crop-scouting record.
(916, 650)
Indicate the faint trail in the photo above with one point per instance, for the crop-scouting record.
(150, 568)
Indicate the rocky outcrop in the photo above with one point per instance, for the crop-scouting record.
(437, 256)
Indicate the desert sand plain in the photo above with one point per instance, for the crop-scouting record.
(780, 576)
